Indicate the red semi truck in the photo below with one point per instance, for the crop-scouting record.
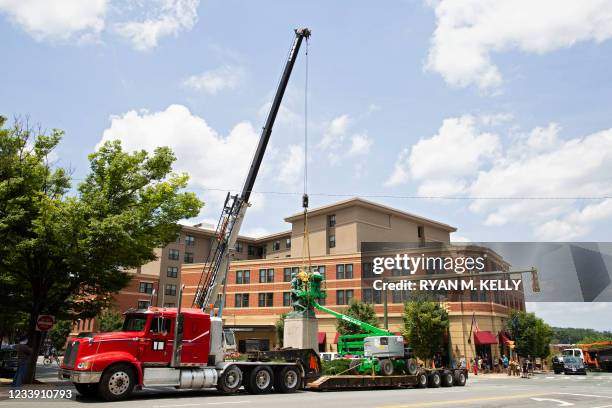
(145, 353)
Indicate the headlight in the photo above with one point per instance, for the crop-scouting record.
(85, 365)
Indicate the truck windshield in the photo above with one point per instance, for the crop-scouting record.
(568, 352)
(134, 322)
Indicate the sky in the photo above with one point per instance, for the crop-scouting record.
(495, 114)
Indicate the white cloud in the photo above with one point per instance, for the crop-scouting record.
(216, 80)
(58, 20)
(440, 162)
(335, 132)
(292, 166)
(464, 159)
(257, 232)
(360, 144)
(212, 160)
(458, 238)
(469, 32)
(165, 18)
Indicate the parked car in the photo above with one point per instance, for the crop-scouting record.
(557, 364)
(8, 361)
(573, 365)
(328, 356)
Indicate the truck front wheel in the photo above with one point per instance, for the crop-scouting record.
(87, 390)
(117, 382)
(260, 381)
(287, 380)
(230, 380)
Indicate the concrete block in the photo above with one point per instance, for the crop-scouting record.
(301, 333)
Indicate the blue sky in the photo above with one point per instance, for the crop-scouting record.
(434, 98)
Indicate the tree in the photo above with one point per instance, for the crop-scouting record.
(530, 333)
(361, 311)
(59, 333)
(110, 321)
(425, 326)
(65, 252)
(570, 335)
(279, 329)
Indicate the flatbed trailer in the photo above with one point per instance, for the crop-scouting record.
(432, 378)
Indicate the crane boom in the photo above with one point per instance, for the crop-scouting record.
(234, 208)
(363, 325)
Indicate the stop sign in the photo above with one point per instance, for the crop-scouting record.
(45, 322)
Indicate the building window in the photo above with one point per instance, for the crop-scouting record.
(169, 304)
(332, 241)
(189, 240)
(243, 276)
(331, 220)
(178, 238)
(289, 272)
(238, 246)
(473, 296)
(320, 269)
(399, 296)
(172, 272)
(173, 254)
(286, 298)
(188, 257)
(366, 270)
(145, 287)
(276, 245)
(344, 271)
(143, 304)
(420, 231)
(251, 250)
(288, 243)
(266, 299)
(266, 275)
(344, 297)
(170, 290)
(241, 300)
(372, 296)
(322, 299)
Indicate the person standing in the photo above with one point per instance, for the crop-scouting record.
(24, 352)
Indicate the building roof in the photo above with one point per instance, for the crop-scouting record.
(254, 240)
(357, 201)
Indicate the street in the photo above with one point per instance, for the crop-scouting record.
(543, 390)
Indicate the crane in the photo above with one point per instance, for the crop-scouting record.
(235, 206)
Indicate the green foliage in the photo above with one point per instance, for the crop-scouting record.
(570, 335)
(279, 329)
(110, 321)
(530, 333)
(59, 333)
(65, 253)
(425, 325)
(361, 311)
(334, 367)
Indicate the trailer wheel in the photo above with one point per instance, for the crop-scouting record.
(460, 378)
(87, 390)
(260, 380)
(411, 366)
(117, 382)
(447, 379)
(288, 380)
(421, 380)
(230, 380)
(435, 380)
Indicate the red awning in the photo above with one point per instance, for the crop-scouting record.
(321, 337)
(336, 338)
(503, 339)
(484, 337)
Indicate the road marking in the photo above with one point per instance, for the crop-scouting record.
(583, 395)
(198, 405)
(463, 401)
(561, 403)
(604, 406)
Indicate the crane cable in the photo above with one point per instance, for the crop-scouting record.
(306, 266)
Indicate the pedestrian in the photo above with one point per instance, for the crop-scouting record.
(475, 365)
(24, 352)
(462, 362)
(505, 362)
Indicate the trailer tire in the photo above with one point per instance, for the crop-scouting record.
(117, 382)
(460, 378)
(447, 379)
(411, 366)
(386, 367)
(87, 390)
(230, 380)
(421, 380)
(288, 380)
(260, 380)
(435, 380)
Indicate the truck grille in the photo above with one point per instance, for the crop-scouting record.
(71, 354)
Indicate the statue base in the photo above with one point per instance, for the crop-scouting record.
(301, 333)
